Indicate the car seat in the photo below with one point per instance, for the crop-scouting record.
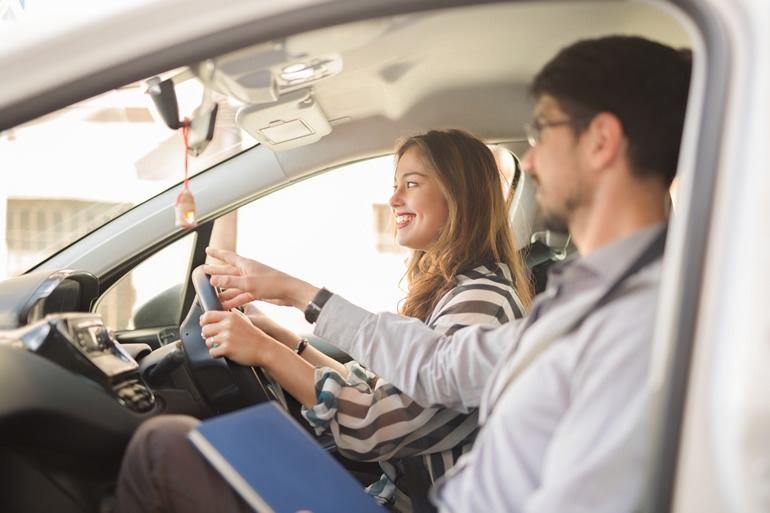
(539, 247)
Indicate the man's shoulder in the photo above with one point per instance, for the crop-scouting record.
(626, 321)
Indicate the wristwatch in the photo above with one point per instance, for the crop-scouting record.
(313, 308)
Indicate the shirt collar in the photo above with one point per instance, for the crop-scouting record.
(609, 261)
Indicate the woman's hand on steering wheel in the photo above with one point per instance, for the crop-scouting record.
(232, 334)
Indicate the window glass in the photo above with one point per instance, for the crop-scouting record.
(151, 294)
(45, 209)
(332, 230)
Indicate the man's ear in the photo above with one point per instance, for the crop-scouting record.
(607, 141)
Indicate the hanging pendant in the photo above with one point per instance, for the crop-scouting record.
(185, 203)
(185, 209)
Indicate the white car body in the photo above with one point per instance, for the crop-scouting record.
(712, 360)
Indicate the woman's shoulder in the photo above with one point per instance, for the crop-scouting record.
(483, 295)
(490, 282)
(495, 272)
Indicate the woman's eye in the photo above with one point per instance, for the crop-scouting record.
(409, 185)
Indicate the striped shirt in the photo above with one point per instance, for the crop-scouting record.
(372, 420)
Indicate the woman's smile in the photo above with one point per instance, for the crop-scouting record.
(403, 220)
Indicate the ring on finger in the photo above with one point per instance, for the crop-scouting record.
(213, 343)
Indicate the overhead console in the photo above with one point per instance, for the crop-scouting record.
(274, 81)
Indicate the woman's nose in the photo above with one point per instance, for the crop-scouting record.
(395, 199)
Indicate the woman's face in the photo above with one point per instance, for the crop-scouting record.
(417, 202)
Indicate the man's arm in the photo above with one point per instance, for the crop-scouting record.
(569, 433)
(435, 370)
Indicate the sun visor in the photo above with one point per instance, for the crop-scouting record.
(294, 120)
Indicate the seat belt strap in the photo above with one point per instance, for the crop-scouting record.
(653, 251)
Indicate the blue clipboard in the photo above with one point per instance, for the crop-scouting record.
(276, 465)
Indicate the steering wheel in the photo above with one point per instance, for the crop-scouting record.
(224, 384)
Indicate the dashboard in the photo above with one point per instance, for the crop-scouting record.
(29, 298)
(65, 382)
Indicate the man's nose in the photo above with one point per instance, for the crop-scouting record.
(526, 161)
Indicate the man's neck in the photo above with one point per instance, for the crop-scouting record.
(615, 214)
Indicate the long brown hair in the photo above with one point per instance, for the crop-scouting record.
(477, 230)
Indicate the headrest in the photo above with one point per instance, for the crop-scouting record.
(527, 230)
(523, 207)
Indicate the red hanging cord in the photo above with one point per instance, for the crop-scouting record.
(185, 203)
(186, 149)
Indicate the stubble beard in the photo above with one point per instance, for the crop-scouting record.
(555, 222)
(557, 218)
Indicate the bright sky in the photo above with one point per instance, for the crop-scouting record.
(60, 11)
(69, 8)
(63, 137)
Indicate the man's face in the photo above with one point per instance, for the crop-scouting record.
(555, 166)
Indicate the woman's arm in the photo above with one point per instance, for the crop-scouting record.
(433, 369)
(372, 419)
(231, 334)
(380, 422)
(292, 340)
(243, 280)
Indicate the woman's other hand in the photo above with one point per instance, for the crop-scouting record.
(244, 280)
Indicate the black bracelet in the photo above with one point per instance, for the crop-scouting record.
(313, 308)
(301, 346)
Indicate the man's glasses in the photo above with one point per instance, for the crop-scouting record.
(535, 129)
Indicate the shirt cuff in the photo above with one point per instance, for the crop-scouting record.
(339, 321)
(328, 385)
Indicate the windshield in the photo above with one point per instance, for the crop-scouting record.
(76, 169)
(69, 172)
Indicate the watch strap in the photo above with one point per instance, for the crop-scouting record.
(313, 308)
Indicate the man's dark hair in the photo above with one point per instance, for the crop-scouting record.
(643, 83)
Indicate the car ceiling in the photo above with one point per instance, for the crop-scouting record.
(463, 67)
(458, 67)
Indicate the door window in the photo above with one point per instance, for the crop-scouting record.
(332, 230)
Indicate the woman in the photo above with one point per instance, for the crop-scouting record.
(462, 269)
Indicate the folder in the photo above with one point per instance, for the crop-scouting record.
(276, 465)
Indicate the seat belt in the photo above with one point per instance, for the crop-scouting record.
(653, 251)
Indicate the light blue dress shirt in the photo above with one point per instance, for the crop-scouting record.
(568, 434)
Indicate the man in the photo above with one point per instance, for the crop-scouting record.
(562, 393)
